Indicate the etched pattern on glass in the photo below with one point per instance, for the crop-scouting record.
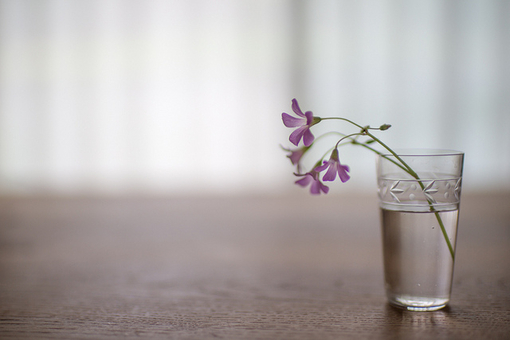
(410, 192)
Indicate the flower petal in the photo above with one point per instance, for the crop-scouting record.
(296, 108)
(290, 121)
(342, 173)
(324, 188)
(309, 117)
(295, 156)
(308, 137)
(321, 167)
(331, 173)
(304, 181)
(315, 188)
(296, 136)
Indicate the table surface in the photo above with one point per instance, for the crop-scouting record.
(233, 268)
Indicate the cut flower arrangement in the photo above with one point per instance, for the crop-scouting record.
(303, 122)
(413, 182)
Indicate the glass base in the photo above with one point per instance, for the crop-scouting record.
(417, 304)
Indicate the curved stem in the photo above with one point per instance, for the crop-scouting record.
(409, 169)
(344, 119)
(379, 153)
(329, 133)
(348, 136)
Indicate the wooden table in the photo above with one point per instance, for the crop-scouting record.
(233, 267)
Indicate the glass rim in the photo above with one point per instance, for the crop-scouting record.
(423, 152)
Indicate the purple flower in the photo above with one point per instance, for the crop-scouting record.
(303, 123)
(334, 167)
(313, 177)
(296, 154)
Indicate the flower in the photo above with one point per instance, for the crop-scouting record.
(303, 124)
(334, 167)
(296, 154)
(313, 177)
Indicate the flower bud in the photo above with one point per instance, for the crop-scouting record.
(384, 127)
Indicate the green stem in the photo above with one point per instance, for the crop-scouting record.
(409, 169)
(348, 136)
(379, 153)
(344, 119)
(328, 133)
(415, 175)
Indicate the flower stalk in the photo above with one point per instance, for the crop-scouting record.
(304, 121)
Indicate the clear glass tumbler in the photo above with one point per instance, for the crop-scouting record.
(419, 197)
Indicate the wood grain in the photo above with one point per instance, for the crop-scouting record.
(233, 268)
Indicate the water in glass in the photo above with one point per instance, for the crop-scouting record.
(417, 262)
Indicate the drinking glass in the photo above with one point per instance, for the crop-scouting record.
(419, 197)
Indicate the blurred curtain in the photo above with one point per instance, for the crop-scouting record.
(185, 96)
(122, 95)
(438, 71)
